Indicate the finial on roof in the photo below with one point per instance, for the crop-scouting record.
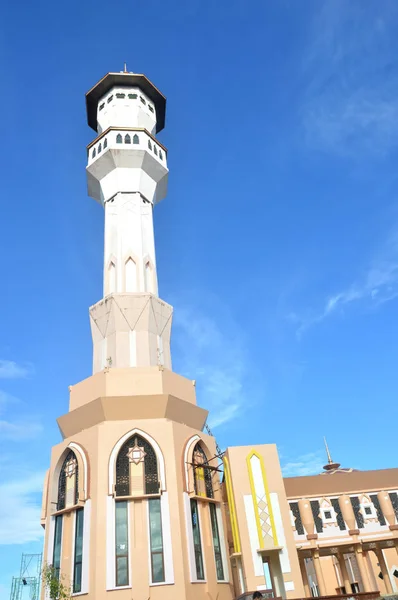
(327, 451)
(125, 68)
(331, 466)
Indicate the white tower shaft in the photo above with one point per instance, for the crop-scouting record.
(127, 173)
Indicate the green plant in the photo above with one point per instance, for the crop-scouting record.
(55, 585)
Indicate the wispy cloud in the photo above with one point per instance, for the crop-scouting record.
(378, 284)
(13, 428)
(20, 509)
(304, 464)
(212, 354)
(350, 103)
(9, 369)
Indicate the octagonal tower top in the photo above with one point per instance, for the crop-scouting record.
(124, 80)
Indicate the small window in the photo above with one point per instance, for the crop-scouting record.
(327, 514)
(102, 106)
(155, 150)
(149, 145)
(160, 155)
(133, 96)
(136, 139)
(122, 544)
(105, 143)
(119, 138)
(93, 153)
(119, 95)
(99, 148)
(368, 510)
(151, 108)
(110, 99)
(142, 100)
(127, 139)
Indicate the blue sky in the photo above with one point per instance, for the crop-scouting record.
(277, 243)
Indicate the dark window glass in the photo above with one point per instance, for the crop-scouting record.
(337, 510)
(119, 95)
(206, 470)
(216, 542)
(394, 502)
(315, 513)
(196, 540)
(62, 482)
(155, 150)
(328, 514)
(119, 138)
(123, 467)
(110, 99)
(122, 544)
(93, 153)
(155, 530)
(133, 96)
(294, 507)
(102, 106)
(368, 510)
(379, 512)
(149, 145)
(356, 508)
(105, 143)
(151, 108)
(78, 559)
(160, 155)
(142, 100)
(127, 139)
(136, 139)
(57, 546)
(99, 148)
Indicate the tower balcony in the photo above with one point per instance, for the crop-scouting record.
(127, 160)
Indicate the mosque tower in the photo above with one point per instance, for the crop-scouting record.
(132, 505)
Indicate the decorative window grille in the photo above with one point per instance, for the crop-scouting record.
(151, 478)
(337, 510)
(202, 467)
(315, 514)
(61, 502)
(394, 502)
(297, 517)
(356, 508)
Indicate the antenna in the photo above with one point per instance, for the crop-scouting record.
(327, 451)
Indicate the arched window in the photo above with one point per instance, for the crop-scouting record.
(136, 468)
(155, 150)
(127, 139)
(136, 139)
(68, 482)
(202, 473)
(133, 96)
(99, 148)
(160, 155)
(93, 153)
(149, 145)
(105, 143)
(119, 138)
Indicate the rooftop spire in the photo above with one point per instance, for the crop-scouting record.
(125, 68)
(331, 466)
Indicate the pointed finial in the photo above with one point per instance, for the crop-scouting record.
(327, 451)
(125, 67)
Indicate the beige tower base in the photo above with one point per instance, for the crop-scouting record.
(105, 409)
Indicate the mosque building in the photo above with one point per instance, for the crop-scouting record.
(139, 502)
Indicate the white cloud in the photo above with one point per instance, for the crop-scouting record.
(9, 369)
(20, 509)
(212, 354)
(350, 104)
(15, 431)
(378, 284)
(304, 464)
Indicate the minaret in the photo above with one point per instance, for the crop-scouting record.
(127, 173)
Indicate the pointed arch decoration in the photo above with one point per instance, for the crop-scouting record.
(265, 522)
(117, 448)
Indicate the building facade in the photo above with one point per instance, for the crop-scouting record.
(138, 501)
